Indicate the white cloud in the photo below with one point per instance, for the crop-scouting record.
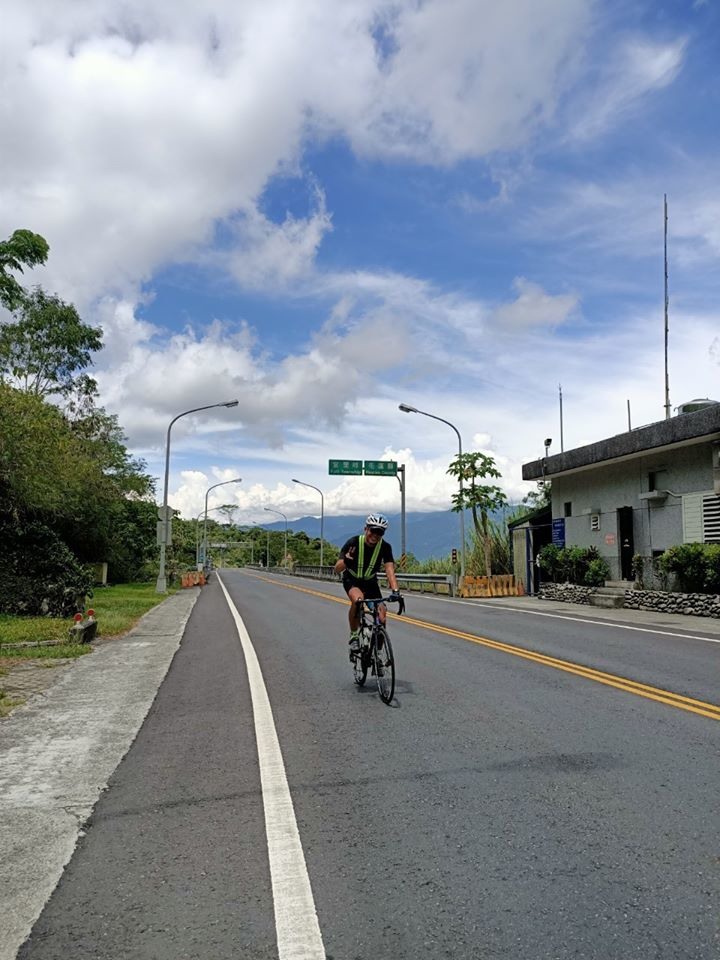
(136, 129)
(535, 308)
(640, 68)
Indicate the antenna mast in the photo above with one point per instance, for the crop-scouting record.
(667, 380)
(562, 445)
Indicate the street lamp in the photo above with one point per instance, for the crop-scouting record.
(406, 408)
(197, 535)
(207, 492)
(280, 514)
(322, 512)
(161, 586)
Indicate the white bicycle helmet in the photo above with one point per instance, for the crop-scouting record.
(376, 520)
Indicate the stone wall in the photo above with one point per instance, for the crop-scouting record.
(569, 592)
(690, 604)
(693, 604)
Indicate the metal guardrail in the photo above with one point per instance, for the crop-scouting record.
(423, 582)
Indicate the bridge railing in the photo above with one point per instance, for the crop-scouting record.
(441, 583)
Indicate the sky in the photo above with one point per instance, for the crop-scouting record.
(326, 209)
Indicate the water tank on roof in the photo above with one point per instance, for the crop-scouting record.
(692, 405)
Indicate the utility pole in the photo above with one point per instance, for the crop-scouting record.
(667, 380)
(401, 480)
(562, 444)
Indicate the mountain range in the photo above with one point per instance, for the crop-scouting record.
(431, 534)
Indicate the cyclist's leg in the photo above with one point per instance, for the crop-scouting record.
(373, 592)
(354, 594)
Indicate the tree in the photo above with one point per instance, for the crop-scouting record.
(481, 499)
(48, 344)
(228, 510)
(541, 497)
(23, 249)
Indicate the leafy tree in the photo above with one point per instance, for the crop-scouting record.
(43, 351)
(480, 498)
(541, 497)
(228, 510)
(23, 249)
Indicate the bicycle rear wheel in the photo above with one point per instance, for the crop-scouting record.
(384, 665)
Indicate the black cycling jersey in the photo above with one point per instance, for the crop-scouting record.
(373, 556)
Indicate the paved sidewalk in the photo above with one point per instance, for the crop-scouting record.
(58, 752)
(652, 619)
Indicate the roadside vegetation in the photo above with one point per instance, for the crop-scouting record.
(117, 610)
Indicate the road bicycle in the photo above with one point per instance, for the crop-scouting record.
(376, 653)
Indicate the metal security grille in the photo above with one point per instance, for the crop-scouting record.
(711, 519)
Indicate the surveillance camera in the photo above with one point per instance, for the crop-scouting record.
(548, 442)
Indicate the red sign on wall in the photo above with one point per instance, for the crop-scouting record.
(610, 539)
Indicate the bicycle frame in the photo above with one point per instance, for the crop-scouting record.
(373, 652)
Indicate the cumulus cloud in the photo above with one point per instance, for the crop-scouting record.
(137, 128)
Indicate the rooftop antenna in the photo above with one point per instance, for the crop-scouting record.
(667, 381)
(562, 445)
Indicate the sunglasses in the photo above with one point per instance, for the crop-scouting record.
(378, 530)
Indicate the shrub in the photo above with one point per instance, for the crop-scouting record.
(42, 576)
(570, 564)
(638, 569)
(687, 561)
(597, 573)
(549, 557)
(712, 567)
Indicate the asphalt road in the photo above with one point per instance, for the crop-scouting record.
(540, 788)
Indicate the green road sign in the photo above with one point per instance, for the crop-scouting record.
(352, 467)
(380, 468)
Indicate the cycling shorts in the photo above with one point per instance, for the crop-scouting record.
(370, 588)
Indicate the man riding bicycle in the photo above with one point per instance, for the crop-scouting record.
(359, 562)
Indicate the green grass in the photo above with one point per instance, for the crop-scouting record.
(56, 652)
(32, 629)
(117, 609)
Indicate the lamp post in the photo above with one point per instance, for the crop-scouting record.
(280, 514)
(161, 586)
(401, 480)
(406, 408)
(197, 535)
(322, 512)
(207, 493)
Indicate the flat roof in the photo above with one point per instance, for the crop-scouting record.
(681, 430)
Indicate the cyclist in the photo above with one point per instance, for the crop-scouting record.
(359, 562)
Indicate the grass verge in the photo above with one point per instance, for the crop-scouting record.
(117, 610)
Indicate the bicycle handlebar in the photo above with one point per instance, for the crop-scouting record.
(399, 600)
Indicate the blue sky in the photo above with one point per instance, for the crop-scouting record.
(327, 209)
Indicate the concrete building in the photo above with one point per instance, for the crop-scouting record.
(639, 492)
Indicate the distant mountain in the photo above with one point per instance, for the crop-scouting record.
(428, 534)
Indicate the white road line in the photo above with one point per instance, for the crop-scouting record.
(562, 616)
(296, 921)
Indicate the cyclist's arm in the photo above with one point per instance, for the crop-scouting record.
(346, 555)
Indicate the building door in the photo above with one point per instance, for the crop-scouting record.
(627, 542)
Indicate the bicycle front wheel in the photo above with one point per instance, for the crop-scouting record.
(361, 661)
(384, 665)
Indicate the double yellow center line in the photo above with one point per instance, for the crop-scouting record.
(670, 699)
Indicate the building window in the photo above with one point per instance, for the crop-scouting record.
(568, 508)
(711, 519)
(595, 521)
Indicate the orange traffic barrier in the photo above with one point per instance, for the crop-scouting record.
(501, 585)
